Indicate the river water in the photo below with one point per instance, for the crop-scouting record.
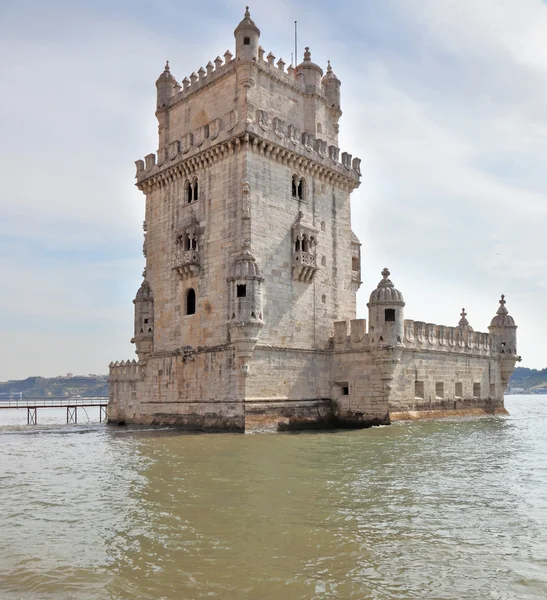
(452, 509)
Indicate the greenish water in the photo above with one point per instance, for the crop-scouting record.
(446, 509)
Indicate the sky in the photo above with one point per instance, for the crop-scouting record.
(445, 102)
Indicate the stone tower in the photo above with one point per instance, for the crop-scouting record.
(247, 228)
(246, 316)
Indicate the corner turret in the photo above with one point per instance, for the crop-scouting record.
(504, 330)
(311, 72)
(386, 314)
(144, 322)
(331, 85)
(166, 86)
(245, 301)
(247, 36)
(503, 326)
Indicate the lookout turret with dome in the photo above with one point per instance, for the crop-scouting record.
(386, 313)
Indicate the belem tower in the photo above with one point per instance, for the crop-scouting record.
(245, 317)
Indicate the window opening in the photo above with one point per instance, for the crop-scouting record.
(439, 390)
(459, 389)
(419, 389)
(354, 263)
(189, 192)
(241, 290)
(146, 321)
(323, 261)
(323, 299)
(301, 189)
(305, 244)
(389, 314)
(294, 187)
(191, 302)
(195, 190)
(345, 390)
(476, 390)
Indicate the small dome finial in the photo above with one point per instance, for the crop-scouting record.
(167, 69)
(463, 321)
(247, 13)
(502, 310)
(307, 54)
(385, 273)
(329, 68)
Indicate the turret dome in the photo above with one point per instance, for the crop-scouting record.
(247, 24)
(386, 293)
(144, 293)
(245, 267)
(330, 75)
(502, 318)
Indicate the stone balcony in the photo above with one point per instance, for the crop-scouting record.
(304, 266)
(187, 263)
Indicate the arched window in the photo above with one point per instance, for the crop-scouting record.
(294, 186)
(300, 190)
(196, 195)
(305, 245)
(297, 245)
(190, 302)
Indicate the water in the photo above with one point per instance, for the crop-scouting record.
(449, 509)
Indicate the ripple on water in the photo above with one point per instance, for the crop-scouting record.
(452, 509)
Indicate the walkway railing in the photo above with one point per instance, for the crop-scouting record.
(70, 403)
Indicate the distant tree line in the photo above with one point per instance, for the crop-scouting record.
(528, 378)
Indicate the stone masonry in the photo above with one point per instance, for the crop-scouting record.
(246, 314)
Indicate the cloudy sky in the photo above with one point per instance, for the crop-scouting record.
(444, 100)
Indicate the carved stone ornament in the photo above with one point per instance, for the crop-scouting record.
(321, 146)
(334, 153)
(231, 120)
(162, 156)
(174, 150)
(279, 127)
(262, 119)
(187, 142)
(356, 164)
(346, 160)
(308, 140)
(294, 134)
(199, 136)
(214, 128)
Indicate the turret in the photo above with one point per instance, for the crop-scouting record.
(247, 36)
(331, 87)
(504, 328)
(245, 303)
(386, 314)
(144, 322)
(311, 72)
(166, 86)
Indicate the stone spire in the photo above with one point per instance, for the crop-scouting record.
(166, 85)
(464, 323)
